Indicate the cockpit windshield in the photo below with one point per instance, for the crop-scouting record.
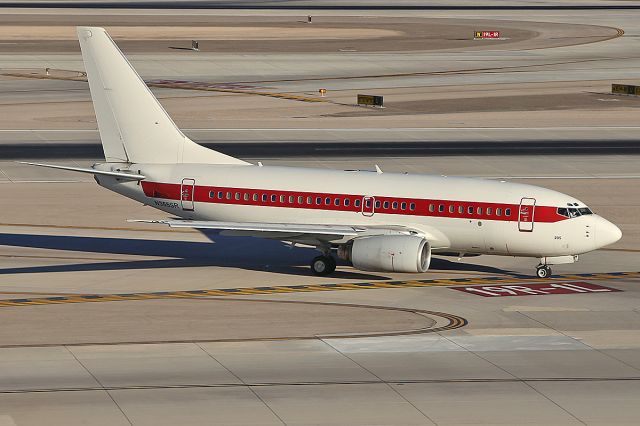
(572, 212)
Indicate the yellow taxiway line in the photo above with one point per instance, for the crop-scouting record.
(250, 291)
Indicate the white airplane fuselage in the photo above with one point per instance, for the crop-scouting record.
(461, 215)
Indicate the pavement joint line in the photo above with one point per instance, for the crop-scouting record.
(346, 129)
(250, 291)
(325, 383)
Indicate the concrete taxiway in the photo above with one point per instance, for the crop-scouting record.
(103, 321)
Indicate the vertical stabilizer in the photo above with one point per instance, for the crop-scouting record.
(133, 125)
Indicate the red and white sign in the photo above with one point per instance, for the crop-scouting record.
(502, 290)
(487, 34)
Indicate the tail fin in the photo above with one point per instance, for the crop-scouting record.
(133, 125)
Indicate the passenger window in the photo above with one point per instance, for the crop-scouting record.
(237, 195)
(220, 194)
(470, 209)
(403, 206)
(394, 205)
(212, 194)
(432, 208)
(386, 204)
(479, 210)
(378, 204)
(507, 212)
(441, 208)
(318, 200)
(228, 195)
(309, 200)
(498, 211)
(327, 201)
(291, 199)
(264, 198)
(347, 202)
(452, 208)
(300, 199)
(274, 197)
(367, 202)
(356, 203)
(246, 196)
(412, 206)
(255, 197)
(336, 201)
(282, 198)
(489, 210)
(461, 209)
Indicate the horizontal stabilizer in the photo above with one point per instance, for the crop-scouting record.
(122, 175)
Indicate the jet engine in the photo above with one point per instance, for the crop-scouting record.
(394, 253)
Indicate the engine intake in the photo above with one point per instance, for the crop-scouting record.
(394, 253)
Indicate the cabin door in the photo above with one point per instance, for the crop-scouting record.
(187, 190)
(526, 214)
(368, 206)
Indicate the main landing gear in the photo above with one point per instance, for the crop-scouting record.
(543, 271)
(323, 265)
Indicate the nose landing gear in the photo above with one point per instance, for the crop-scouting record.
(323, 265)
(543, 271)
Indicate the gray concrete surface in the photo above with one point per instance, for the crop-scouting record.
(54, 137)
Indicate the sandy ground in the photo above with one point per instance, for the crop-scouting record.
(287, 34)
(160, 320)
(26, 33)
(536, 105)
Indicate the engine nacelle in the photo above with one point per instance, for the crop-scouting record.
(394, 253)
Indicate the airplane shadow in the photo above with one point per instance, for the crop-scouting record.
(438, 263)
(237, 252)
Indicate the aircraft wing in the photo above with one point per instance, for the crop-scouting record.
(301, 233)
(340, 230)
(266, 230)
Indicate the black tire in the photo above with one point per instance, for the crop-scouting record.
(543, 272)
(323, 265)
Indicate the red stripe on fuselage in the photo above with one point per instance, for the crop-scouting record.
(172, 191)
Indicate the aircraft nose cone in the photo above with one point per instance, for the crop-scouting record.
(607, 233)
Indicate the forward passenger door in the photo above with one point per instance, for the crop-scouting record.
(526, 214)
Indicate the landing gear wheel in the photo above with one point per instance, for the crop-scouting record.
(543, 271)
(323, 265)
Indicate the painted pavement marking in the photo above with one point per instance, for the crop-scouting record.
(507, 285)
(538, 289)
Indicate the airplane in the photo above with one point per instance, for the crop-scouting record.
(377, 221)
